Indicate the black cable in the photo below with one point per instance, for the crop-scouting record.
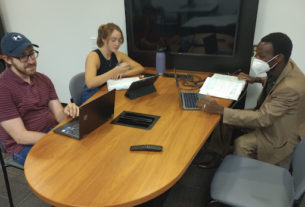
(193, 81)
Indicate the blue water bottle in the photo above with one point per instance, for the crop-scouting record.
(160, 61)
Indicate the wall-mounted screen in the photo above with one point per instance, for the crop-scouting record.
(186, 26)
(204, 35)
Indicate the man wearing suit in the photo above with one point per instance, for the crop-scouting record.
(278, 121)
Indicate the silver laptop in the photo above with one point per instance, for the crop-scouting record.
(188, 99)
(91, 116)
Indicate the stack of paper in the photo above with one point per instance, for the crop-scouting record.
(121, 84)
(223, 86)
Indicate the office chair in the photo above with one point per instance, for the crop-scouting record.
(245, 182)
(76, 87)
(8, 162)
(2, 65)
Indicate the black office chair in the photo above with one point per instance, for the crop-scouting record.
(2, 65)
(8, 162)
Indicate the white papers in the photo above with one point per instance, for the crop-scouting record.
(121, 84)
(223, 86)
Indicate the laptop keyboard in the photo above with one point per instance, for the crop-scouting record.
(72, 129)
(189, 100)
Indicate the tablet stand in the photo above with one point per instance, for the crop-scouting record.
(135, 93)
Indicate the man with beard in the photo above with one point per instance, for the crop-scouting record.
(29, 103)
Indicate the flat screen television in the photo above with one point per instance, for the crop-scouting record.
(199, 35)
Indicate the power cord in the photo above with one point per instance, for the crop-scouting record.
(193, 81)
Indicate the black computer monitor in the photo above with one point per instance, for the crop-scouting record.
(202, 35)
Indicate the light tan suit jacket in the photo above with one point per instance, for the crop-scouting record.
(280, 121)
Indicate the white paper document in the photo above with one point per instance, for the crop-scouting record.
(121, 84)
(223, 86)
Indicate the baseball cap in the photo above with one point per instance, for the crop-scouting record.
(14, 44)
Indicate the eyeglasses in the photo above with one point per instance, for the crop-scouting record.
(25, 58)
(120, 40)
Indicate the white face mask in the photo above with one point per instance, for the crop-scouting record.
(260, 67)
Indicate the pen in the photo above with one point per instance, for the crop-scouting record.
(237, 71)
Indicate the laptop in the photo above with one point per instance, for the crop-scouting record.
(188, 99)
(91, 116)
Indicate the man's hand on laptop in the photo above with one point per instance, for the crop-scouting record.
(71, 110)
(209, 105)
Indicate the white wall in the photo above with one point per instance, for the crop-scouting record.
(287, 17)
(63, 29)
(280, 16)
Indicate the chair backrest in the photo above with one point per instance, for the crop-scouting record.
(298, 170)
(7, 161)
(2, 65)
(76, 87)
(1, 147)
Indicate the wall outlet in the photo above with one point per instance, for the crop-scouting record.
(93, 45)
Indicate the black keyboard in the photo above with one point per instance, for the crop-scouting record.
(72, 129)
(189, 100)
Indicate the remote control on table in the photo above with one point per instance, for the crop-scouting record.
(146, 147)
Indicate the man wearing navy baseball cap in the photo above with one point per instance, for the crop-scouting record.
(29, 103)
(15, 43)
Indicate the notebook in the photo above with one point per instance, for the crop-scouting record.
(188, 99)
(223, 86)
(121, 84)
(91, 116)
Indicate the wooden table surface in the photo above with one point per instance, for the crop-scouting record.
(100, 170)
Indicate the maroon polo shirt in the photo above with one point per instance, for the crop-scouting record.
(27, 101)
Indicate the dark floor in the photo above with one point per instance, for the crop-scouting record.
(22, 195)
(191, 191)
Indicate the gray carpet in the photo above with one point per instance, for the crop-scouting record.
(22, 195)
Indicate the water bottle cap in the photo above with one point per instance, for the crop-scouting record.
(161, 49)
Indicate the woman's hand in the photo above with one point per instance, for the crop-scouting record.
(123, 67)
(117, 77)
(120, 70)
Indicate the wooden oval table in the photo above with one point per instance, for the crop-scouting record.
(100, 170)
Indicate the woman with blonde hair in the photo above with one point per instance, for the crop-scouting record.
(107, 62)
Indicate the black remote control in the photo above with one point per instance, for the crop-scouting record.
(146, 147)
